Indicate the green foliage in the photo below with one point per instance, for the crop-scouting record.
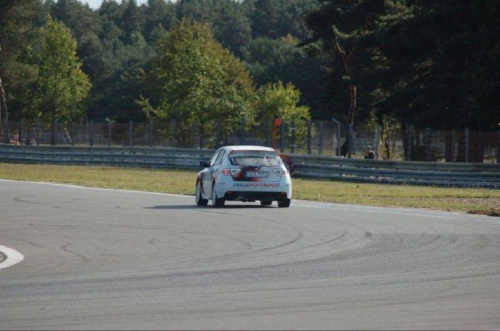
(369, 123)
(19, 38)
(278, 18)
(430, 64)
(115, 43)
(339, 30)
(274, 60)
(278, 101)
(434, 62)
(60, 87)
(227, 19)
(391, 130)
(193, 78)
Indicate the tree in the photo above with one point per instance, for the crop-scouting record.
(19, 22)
(193, 78)
(79, 18)
(438, 68)
(61, 87)
(338, 28)
(132, 20)
(275, 60)
(159, 15)
(278, 101)
(227, 19)
(278, 18)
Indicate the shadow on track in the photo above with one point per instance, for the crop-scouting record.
(192, 207)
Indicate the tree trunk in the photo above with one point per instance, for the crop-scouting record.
(346, 61)
(352, 104)
(346, 149)
(477, 145)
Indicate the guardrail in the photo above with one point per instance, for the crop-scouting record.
(411, 172)
(116, 156)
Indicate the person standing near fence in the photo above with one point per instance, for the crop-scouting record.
(369, 154)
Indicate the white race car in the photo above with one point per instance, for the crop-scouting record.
(244, 173)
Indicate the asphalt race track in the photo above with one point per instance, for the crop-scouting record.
(104, 259)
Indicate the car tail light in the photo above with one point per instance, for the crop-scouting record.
(280, 172)
(230, 171)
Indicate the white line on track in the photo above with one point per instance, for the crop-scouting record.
(99, 189)
(13, 257)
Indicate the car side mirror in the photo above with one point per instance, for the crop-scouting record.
(204, 164)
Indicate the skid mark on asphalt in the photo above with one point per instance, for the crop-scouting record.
(379, 210)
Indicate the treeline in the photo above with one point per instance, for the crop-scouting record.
(116, 43)
(364, 62)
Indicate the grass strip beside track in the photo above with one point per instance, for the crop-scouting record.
(471, 200)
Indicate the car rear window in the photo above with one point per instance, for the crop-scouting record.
(255, 159)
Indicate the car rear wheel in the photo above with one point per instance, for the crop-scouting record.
(216, 201)
(266, 202)
(285, 203)
(199, 197)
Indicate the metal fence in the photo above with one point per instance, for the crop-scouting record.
(312, 138)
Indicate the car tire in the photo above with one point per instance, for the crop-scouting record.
(284, 203)
(266, 202)
(216, 201)
(199, 197)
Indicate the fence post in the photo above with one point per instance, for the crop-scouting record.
(131, 134)
(320, 142)
(195, 135)
(350, 145)
(378, 133)
(498, 146)
(21, 129)
(408, 142)
(282, 137)
(268, 133)
(87, 132)
(337, 123)
(55, 132)
(72, 133)
(467, 144)
(242, 134)
(309, 137)
(110, 128)
(150, 138)
(172, 134)
(91, 133)
(37, 133)
(427, 144)
(292, 139)
(4, 135)
(217, 134)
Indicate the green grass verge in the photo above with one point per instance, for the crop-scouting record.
(471, 200)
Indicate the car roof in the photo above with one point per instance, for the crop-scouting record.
(244, 148)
